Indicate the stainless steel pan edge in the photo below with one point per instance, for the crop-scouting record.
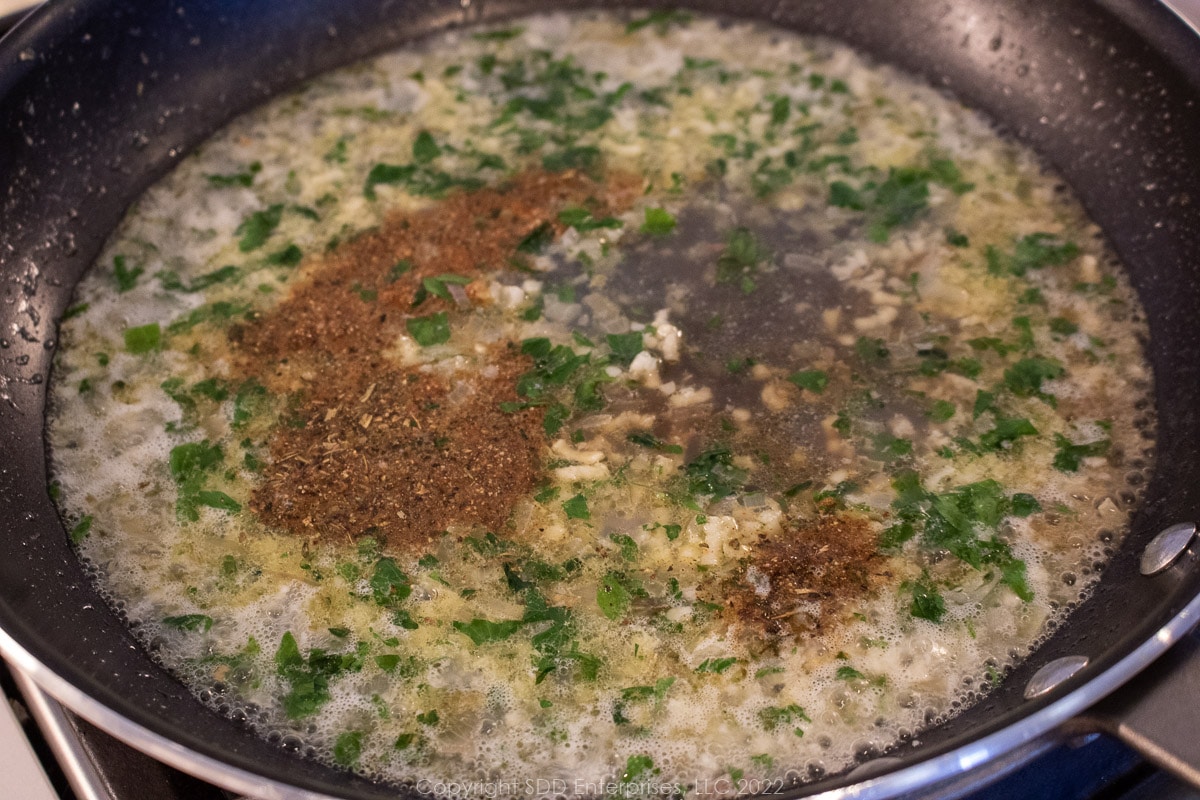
(37, 277)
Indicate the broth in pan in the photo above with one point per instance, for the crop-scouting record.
(595, 405)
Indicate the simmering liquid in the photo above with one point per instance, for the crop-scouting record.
(598, 405)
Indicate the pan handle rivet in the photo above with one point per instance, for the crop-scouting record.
(1166, 547)
(1053, 674)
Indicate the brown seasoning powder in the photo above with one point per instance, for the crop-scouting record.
(807, 576)
(370, 447)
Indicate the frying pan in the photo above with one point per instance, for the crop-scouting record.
(99, 99)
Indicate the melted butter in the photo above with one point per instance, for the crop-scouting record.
(644, 563)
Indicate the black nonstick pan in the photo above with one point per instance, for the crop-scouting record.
(99, 98)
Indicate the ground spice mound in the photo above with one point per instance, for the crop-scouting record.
(371, 447)
(401, 455)
(356, 299)
(798, 582)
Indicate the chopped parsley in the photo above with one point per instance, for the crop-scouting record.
(419, 178)
(714, 474)
(942, 411)
(438, 286)
(871, 351)
(431, 330)
(577, 508)
(126, 278)
(738, 262)
(955, 238)
(347, 748)
(582, 220)
(218, 312)
(624, 346)
(258, 227)
(171, 281)
(1024, 379)
(1069, 455)
(424, 148)
(629, 548)
(190, 465)
(74, 311)
(501, 35)
(289, 256)
(81, 529)
(716, 666)
(772, 717)
(1035, 251)
(143, 338)
(244, 178)
(660, 19)
(814, 380)
(1063, 326)
(482, 631)
(308, 678)
(537, 239)
(926, 602)
(647, 439)
(614, 595)
(955, 521)
(1006, 432)
(659, 222)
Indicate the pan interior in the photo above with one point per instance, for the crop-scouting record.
(30, 284)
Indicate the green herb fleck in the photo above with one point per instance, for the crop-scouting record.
(814, 380)
(927, 602)
(740, 259)
(347, 748)
(143, 338)
(289, 256)
(647, 439)
(243, 178)
(1024, 379)
(74, 311)
(537, 239)
(625, 346)
(217, 500)
(773, 717)
(482, 631)
(942, 410)
(431, 330)
(613, 596)
(955, 238)
(502, 35)
(871, 351)
(716, 666)
(257, 228)
(126, 278)
(660, 19)
(1069, 455)
(582, 220)
(81, 529)
(577, 508)
(424, 148)
(1007, 431)
(713, 473)
(659, 222)
(1063, 326)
